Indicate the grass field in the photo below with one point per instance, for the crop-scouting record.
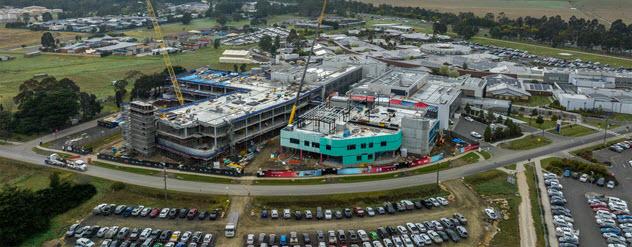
(599, 123)
(535, 205)
(14, 38)
(574, 131)
(602, 9)
(547, 124)
(535, 100)
(528, 142)
(348, 200)
(493, 185)
(95, 75)
(485, 154)
(35, 177)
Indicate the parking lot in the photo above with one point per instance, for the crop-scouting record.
(575, 192)
(464, 127)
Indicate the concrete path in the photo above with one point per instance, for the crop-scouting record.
(528, 236)
(548, 217)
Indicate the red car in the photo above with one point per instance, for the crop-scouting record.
(359, 211)
(154, 212)
(192, 213)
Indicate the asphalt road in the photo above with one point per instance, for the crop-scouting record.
(24, 152)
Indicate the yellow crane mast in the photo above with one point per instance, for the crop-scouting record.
(165, 53)
(309, 56)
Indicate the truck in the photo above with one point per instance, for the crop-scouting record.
(231, 226)
(55, 160)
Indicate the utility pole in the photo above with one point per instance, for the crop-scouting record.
(164, 178)
(605, 131)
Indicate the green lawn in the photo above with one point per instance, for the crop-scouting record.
(547, 162)
(34, 177)
(599, 123)
(535, 205)
(574, 131)
(486, 155)
(528, 142)
(493, 185)
(510, 166)
(547, 124)
(535, 100)
(333, 201)
(543, 50)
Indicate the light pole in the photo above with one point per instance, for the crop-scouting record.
(164, 178)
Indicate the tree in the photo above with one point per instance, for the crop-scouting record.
(46, 16)
(487, 135)
(186, 18)
(89, 106)
(465, 29)
(490, 117)
(243, 67)
(265, 43)
(439, 28)
(554, 118)
(276, 45)
(48, 41)
(148, 86)
(5, 123)
(120, 90)
(216, 43)
(222, 20)
(539, 120)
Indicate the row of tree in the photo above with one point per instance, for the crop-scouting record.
(25, 212)
(47, 104)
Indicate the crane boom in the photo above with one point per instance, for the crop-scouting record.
(165, 54)
(309, 56)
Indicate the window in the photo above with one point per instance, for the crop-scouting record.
(328, 147)
(306, 143)
(315, 144)
(370, 145)
(363, 145)
(351, 147)
(370, 156)
(383, 144)
(294, 141)
(359, 157)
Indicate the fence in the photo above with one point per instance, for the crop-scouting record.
(173, 166)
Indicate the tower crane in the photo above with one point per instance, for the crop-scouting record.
(309, 56)
(165, 53)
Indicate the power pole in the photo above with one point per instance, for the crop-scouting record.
(164, 178)
(605, 131)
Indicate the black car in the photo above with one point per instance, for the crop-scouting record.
(183, 213)
(348, 213)
(338, 214)
(427, 203)
(173, 213)
(453, 235)
(382, 232)
(165, 235)
(107, 210)
(298, 215)
(443, 235)
(306, 238)
(202, 215)
(392, 231)
(389, 208)
(213, 214)
(264, 213)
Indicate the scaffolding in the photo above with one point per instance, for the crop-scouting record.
(323, 116)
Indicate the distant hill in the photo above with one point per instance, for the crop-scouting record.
(604, 10)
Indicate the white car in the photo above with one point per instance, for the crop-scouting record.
(328, 214)
(250, 239)
(84, 242)
(491, 213)
(476, 135)
(583, 178)
(469, 119)
(610, 184)
(163, 213)
(274, 214)
(443, 201)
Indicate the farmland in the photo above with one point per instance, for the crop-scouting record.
(602, 10)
